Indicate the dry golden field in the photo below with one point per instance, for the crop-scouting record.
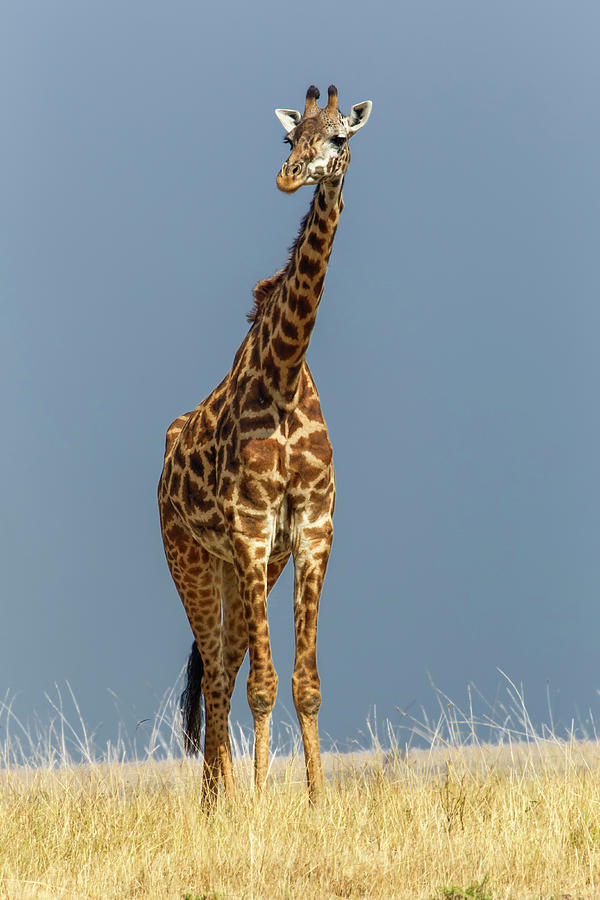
(518, 820)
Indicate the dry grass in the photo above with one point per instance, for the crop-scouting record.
(517, 820)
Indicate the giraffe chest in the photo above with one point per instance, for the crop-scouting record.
(268, 479)
(245, 475)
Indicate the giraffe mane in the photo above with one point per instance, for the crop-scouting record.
(268, 286)
(263, 290)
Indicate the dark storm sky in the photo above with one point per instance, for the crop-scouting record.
(455, 349)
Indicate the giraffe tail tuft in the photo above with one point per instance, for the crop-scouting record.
(191, 703)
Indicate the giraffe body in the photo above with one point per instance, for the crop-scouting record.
(248, 475)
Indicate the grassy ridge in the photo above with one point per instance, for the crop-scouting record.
(517, 817)
(476, 821)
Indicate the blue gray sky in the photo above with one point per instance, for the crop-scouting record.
(455, 349)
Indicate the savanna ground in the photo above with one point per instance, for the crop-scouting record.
(516, 818)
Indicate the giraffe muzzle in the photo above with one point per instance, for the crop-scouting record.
(290, 177)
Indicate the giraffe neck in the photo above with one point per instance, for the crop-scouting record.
(287, 321)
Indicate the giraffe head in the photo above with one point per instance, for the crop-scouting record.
(319, 140)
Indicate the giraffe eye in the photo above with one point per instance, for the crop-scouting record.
(288, 140)
(338, 140)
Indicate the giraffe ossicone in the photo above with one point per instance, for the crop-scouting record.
(248, 478)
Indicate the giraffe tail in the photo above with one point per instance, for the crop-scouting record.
(191, 703)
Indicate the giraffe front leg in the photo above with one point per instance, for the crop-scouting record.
(250, 562)
(310, 563)
(235, 631)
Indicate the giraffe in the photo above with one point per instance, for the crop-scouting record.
(248, 478)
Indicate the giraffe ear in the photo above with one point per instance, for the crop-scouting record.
(289, 118)
(359, 114)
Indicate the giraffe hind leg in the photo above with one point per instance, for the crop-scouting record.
(198, 578)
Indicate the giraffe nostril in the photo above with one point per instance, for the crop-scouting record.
(296, 169)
